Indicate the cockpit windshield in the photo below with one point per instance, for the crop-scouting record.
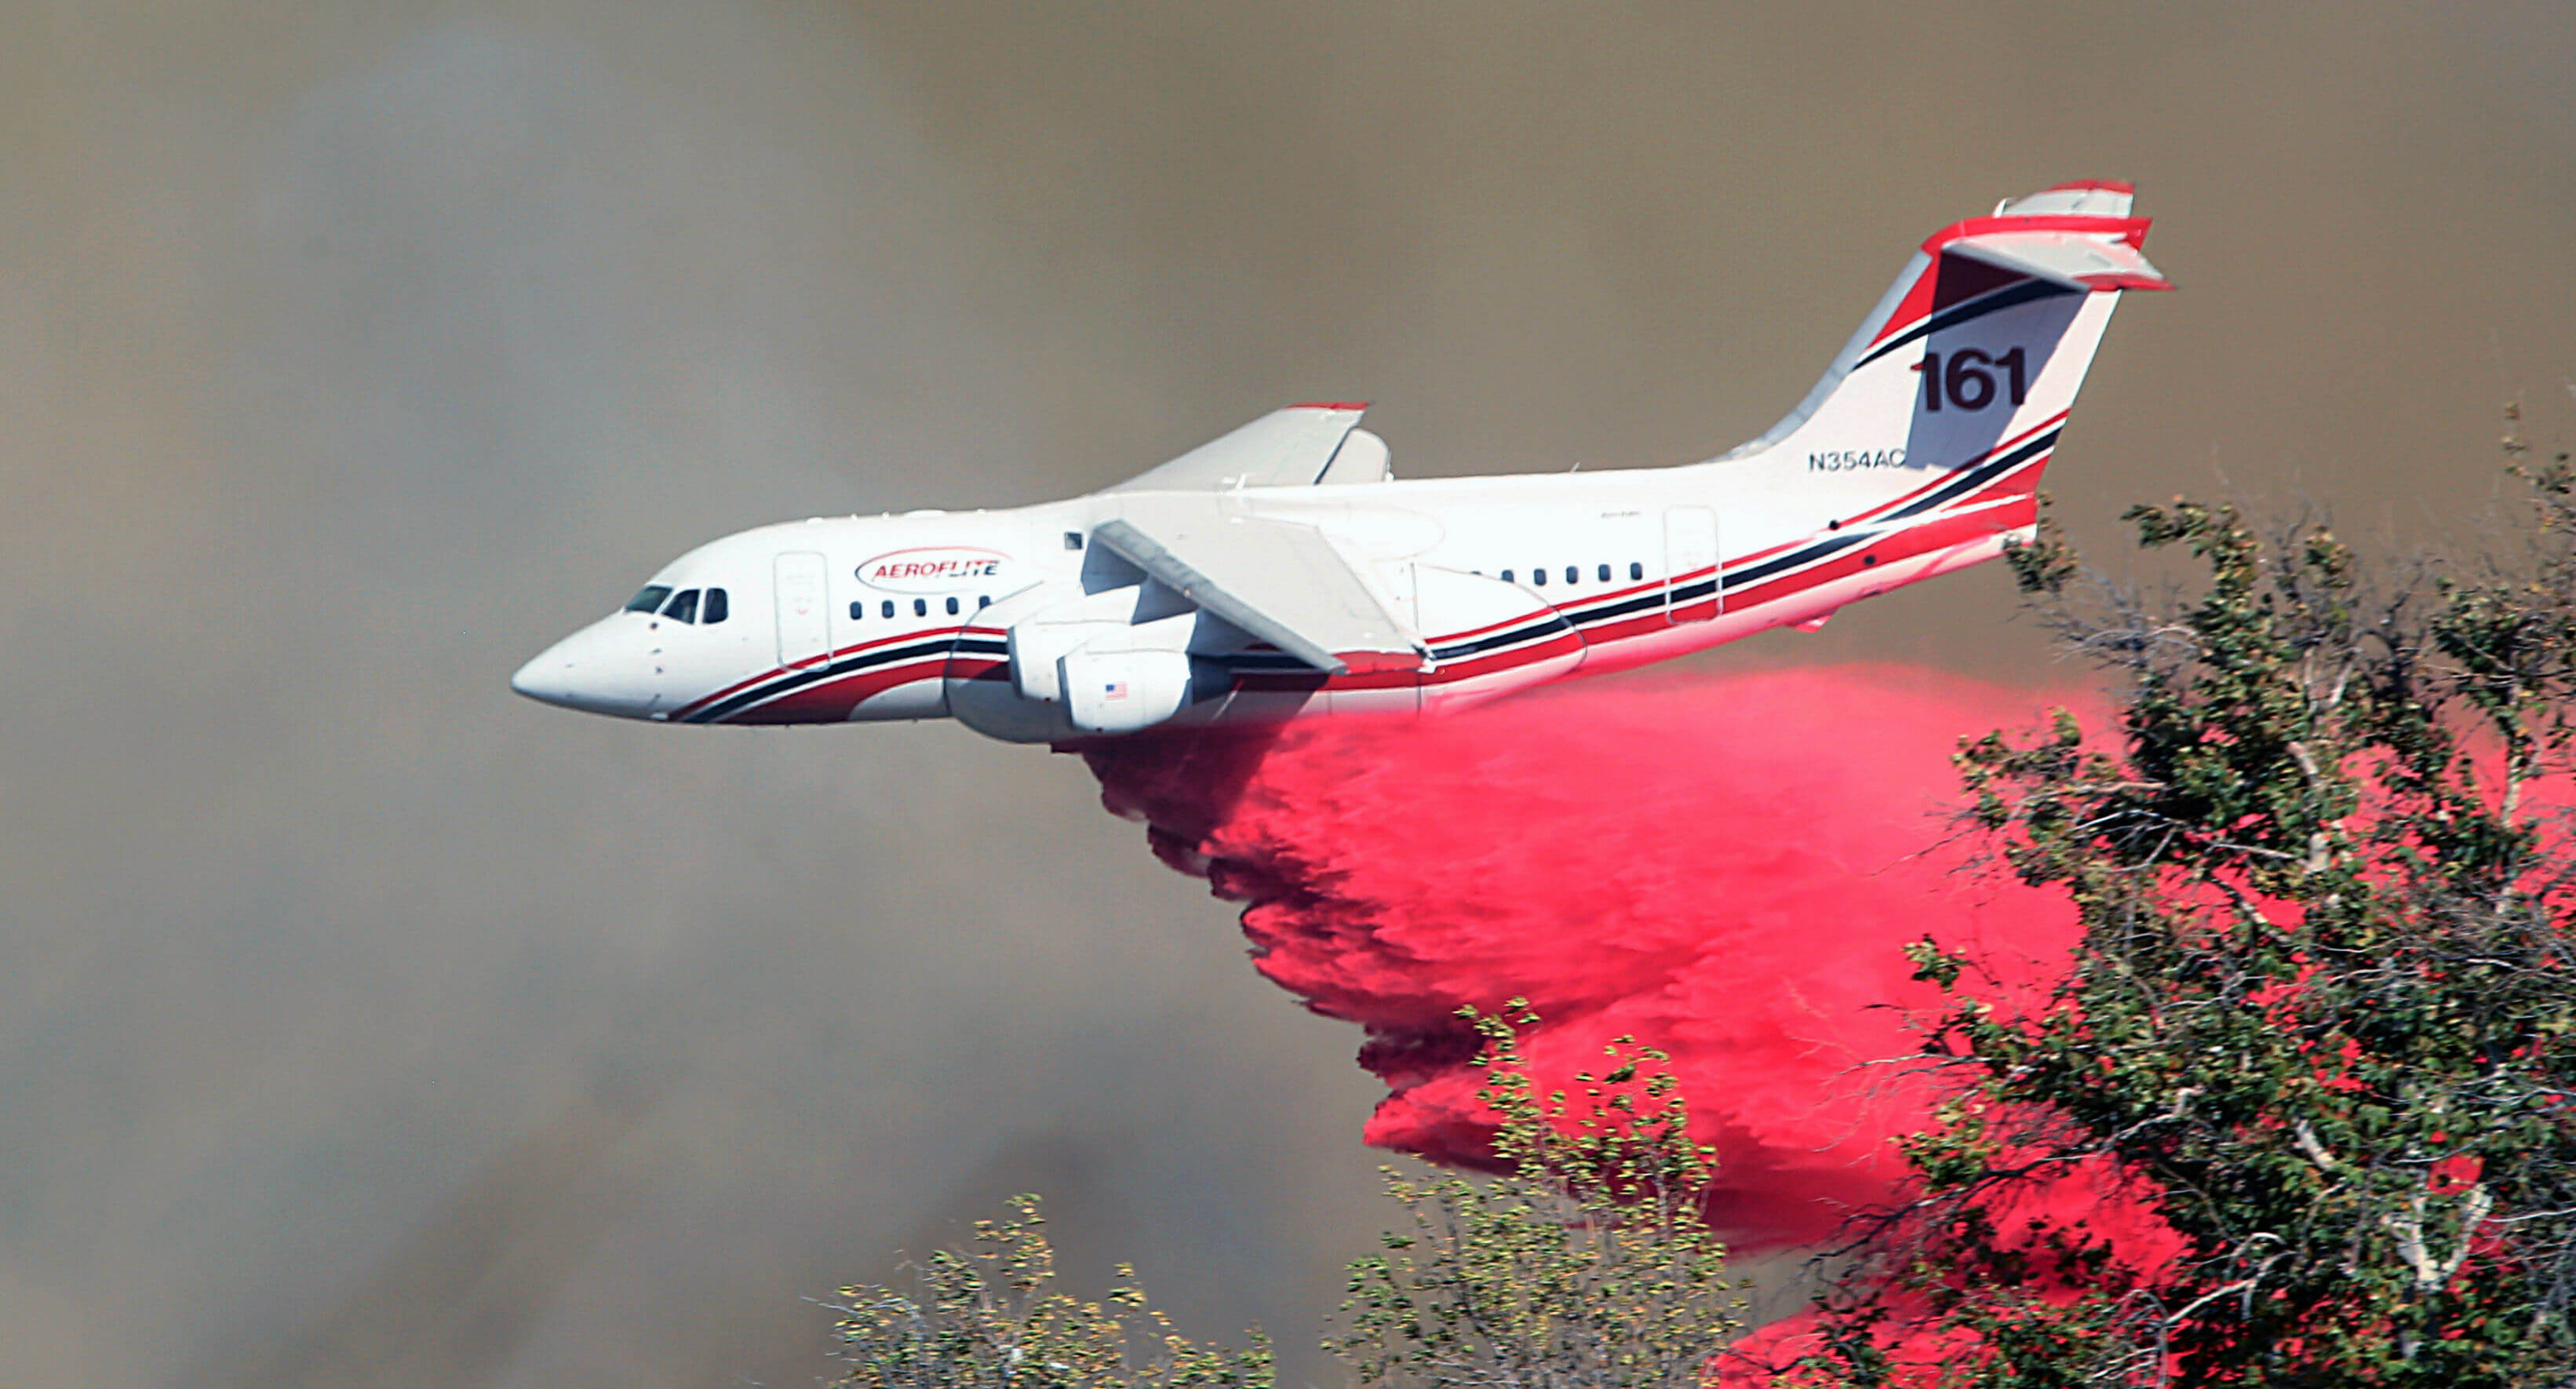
(683, 608)
(650, 600)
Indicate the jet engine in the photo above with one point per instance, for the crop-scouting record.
(1100, 663)
(1115, 691)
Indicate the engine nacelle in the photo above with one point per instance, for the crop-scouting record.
(1122, 691)
(1038, 648)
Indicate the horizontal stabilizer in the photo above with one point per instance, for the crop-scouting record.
(2072, 259)
(1279, 582)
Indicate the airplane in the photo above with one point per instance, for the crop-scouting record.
(1281, 572)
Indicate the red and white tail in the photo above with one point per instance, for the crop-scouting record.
(1954, 389)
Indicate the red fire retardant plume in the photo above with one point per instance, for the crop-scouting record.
(1725, 867)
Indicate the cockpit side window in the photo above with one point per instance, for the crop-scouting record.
(683, 608)
(715, 608)
(650, 600)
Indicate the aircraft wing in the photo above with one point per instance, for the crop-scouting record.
(1285, 448)
(1279, 581)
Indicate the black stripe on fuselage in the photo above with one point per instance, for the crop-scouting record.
(1968, 480)
(1547, 625)
(846, 665)
(1635, 603)
(1755, 573)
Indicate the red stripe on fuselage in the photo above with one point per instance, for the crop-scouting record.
(1969, 519)
(1947, 476)
(919, 634)
(830, 701)
(1938, 533)
(1983, 459)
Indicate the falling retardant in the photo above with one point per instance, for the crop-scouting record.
(1725, 867)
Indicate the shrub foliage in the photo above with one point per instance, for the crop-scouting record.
(991, 1317)
(2321, 1026)
(1583, 1262)
(1587, 1262)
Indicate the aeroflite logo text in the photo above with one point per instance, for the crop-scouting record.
(939, 570)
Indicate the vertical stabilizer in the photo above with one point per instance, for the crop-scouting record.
(1954, 388)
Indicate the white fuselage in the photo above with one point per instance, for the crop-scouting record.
(1280, 572)
(1512, 582)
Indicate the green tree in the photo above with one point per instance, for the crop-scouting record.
(990, 1317)
(2322, 1020)
(1586, 1262)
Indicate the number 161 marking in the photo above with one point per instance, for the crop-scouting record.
(1966, 382)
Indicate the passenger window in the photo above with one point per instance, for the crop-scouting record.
(1539, 577)
(1573, 573)
(1507, 576)
(1636, 570)
(716, 609)
(952, 607)
(983, 601)
(858, 609)
(1605, 573)
(889, 607)
(683, 608)
(650, 600)
(921, 607)
(1073, 540)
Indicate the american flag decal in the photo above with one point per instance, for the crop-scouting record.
(1115, 689)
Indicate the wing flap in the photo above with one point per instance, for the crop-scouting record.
(1280, 582)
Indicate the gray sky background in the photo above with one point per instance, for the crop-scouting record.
(362, 1024)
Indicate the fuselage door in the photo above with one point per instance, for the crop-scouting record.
(1690, 564)
(804, 609)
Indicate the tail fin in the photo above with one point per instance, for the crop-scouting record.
(1955, 387)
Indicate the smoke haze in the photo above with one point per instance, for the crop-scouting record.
(361, 1024)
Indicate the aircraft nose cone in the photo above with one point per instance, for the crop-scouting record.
(608, 668)
(550, 678)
